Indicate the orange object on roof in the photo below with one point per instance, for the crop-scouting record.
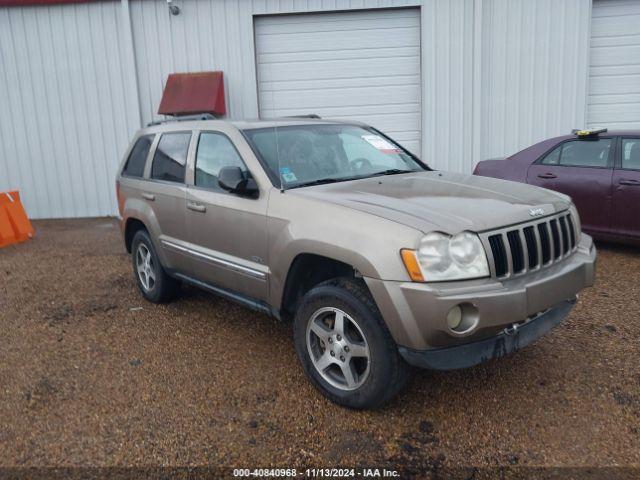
(190, 93)
(14, 223)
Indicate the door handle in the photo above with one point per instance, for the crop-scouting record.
(149, 196)
(547, 175)
(196, 207)
(631, 183)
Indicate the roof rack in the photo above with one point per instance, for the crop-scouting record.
(308, 115)
(184, 118)
(588, 132)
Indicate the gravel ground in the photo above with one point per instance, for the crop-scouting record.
(93, 375)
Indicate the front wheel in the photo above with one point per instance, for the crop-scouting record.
(345, 346)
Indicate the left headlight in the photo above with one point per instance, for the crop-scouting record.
(441, 257)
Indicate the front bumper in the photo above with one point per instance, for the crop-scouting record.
(506, 342)
(415, 313)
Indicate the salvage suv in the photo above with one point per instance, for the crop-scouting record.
(380, 261)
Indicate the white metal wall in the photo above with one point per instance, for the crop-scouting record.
(534, 72)
(213, 35)
(66, 107)
(614, 76)
(497, 75)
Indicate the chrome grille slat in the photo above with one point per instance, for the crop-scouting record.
(538, 245)
(525, 250)
(572, 231)
(555, 239)
(517, 251)
(505, 242)
(565, 235)
(545, 233)
(530, 246)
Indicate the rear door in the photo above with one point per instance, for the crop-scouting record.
(227, 232)
(625, 219)
(165, 192)
(582, 169)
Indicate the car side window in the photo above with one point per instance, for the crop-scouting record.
(553, 158)
(580, 153)
(170, 158)
(631, 153)
(215, 151)
(138, 157)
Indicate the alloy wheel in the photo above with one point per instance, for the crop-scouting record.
(338, 348)
(145, 267)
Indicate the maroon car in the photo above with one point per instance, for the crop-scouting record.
(599, 169)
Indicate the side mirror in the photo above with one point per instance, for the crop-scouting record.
(233, 180)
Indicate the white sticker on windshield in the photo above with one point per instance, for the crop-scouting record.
(380, 143)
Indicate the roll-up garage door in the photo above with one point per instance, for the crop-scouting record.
(614, 77)
(362, 65)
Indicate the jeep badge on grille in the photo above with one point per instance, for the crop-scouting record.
(536, 212)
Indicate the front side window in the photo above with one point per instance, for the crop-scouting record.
(631, 153)
(170, 158)
(214, 152)
(138, 157)
(300, 155)
(580, 153)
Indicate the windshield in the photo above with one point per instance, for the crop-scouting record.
(302, 155)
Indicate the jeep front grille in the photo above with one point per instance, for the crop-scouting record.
(530, 246)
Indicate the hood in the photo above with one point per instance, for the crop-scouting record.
(443, 201)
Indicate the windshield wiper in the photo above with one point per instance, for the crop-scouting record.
(390, 171)
(320, 181)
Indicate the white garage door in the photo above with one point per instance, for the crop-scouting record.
(614, 80)
(361, 65)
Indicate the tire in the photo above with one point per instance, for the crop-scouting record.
(316, 337)
(157, 286)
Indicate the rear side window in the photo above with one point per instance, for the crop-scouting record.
(171, 157)
(214, 152)
(138, 157)
(580, 153)
(631, 153)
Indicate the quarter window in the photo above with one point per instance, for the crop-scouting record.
(171, 157)
(138, 157)
(580, 153)
(214, 152)
(631, 153)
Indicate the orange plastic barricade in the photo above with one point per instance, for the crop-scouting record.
(14, 223)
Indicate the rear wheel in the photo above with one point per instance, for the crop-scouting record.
(153, 282)
(345, 346)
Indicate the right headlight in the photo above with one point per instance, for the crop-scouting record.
(442, 257)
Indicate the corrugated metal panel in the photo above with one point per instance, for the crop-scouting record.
(447, 69)
(497, 75)
(213, 35)
(362, 65)
(66, 117)
(614, 75)
(534, 64)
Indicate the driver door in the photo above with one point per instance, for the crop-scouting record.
(581, 169)
(626, 189)
(227, 232)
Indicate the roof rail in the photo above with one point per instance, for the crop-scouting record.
(308, 115)
(184, 118)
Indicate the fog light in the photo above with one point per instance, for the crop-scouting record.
(454, 317)
(462, 319)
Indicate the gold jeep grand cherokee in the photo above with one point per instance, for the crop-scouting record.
(380, 261)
